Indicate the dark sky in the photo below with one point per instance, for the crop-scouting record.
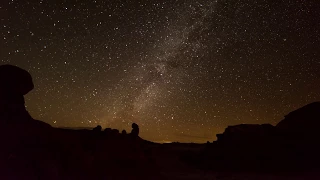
(182, 70)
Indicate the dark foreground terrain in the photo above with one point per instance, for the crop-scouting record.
(32, 149)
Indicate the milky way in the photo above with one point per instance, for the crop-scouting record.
(158, 76)
(182, 70)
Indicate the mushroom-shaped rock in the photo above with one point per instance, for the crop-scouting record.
(14, 83)
(15, 121)
(14, 80)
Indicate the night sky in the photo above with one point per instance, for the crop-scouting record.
(182, 70)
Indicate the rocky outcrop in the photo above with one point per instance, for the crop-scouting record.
(14, 84)
(246, 133)
(292, 144)
(23, 139)
(135, 130)
(305, 120)
(15, 80)
(299, 125)
(97, 128)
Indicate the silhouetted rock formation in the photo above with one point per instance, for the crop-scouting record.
(135, 130)
(24, 139)
(98, 128)
(15, 80)
(14, 83)
(299, 126)
(107, 130)
(115, 131)
(292, 144)
(300, 131)
(245, 133)
(305, 120)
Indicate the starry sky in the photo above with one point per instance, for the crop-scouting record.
(183, 70)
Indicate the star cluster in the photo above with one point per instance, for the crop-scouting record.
(183, 70)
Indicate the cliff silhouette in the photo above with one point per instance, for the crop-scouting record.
(292, 145)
